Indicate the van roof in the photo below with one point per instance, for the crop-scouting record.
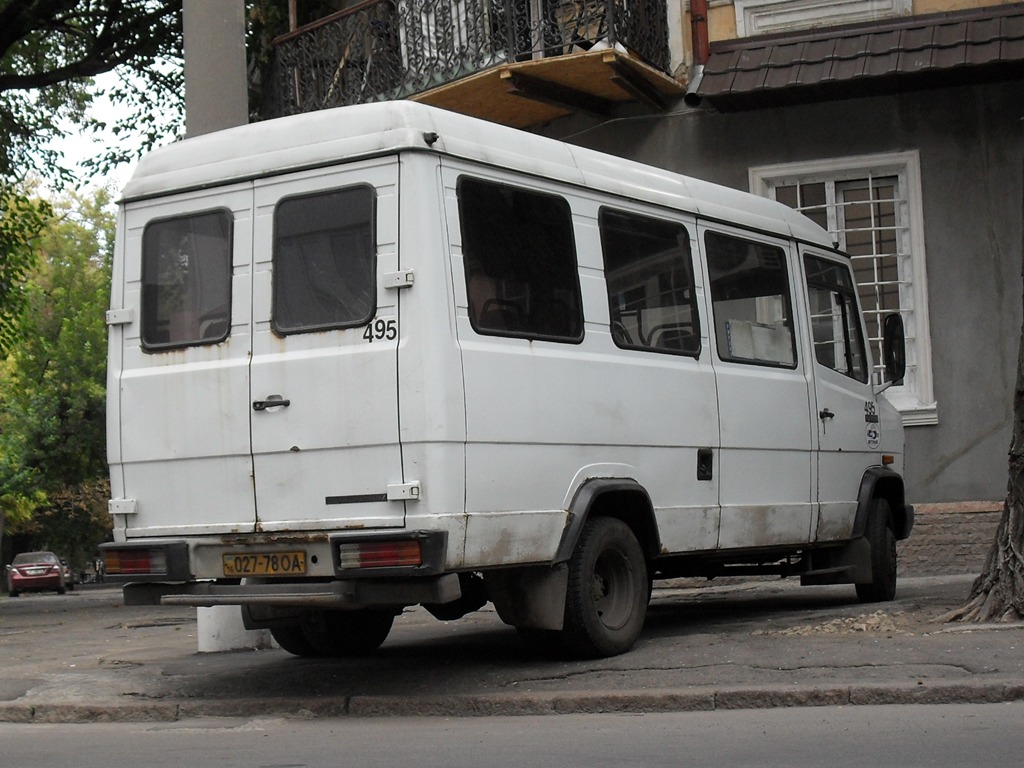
(330, 136)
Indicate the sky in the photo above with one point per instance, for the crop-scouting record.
(77, 145)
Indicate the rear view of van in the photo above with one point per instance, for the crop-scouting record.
(385, 356)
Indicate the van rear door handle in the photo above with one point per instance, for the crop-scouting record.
(274, 401)
(826, 414)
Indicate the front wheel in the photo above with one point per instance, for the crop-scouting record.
(607, 596)
(882, 587)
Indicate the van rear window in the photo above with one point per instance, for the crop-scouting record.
(324, 261)
(520, 262)
(186, 280)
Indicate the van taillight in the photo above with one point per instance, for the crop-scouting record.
(381, 554)
(134, 562)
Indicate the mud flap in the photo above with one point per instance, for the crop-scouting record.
(850, 564)
(530, 597)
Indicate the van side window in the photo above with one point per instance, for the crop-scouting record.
(186, 280)
(751, 300)
(647, 267)
(324, 261)
(520, 262)
(835, 319)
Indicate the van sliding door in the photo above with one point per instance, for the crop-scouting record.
(764, 392)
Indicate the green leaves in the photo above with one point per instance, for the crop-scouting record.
(21, 222)
(52, 381)
(49, 52)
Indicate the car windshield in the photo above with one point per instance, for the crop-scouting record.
(34, 557)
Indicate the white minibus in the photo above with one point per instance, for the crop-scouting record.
(387, 355)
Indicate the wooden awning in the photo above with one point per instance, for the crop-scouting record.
(528, 93)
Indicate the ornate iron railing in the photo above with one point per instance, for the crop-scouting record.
(389, 49)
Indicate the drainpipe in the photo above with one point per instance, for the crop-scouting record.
(700, 47)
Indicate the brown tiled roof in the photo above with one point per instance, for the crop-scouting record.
(866, 59)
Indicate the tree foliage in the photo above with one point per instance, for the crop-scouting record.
(50, 50)
(21, 221)
(52, 385)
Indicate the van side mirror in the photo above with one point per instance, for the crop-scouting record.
(894, 348)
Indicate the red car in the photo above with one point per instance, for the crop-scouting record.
(36, 571)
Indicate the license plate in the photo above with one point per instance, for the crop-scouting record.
(265, 564)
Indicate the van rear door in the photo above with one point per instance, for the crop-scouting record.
(324, 399)
(182, 374)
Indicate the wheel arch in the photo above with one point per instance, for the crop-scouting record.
(622, 498)
(883, 483)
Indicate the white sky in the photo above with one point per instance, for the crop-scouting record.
(78, 145)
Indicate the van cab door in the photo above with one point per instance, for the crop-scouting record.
(324, 397)
(846, 411)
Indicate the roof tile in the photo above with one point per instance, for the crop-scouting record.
(991, 37)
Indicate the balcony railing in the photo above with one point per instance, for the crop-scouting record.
(392, 49)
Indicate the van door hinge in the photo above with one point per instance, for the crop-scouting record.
(404, 492)
(403, 278)
(119, 316)
(122, 506)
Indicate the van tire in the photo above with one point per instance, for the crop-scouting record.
(293, 640)
(878, 532)
(348, 633)
(606, 600)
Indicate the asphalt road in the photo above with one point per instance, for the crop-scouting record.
(966, 736)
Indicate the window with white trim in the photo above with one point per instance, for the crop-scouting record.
(760, 17)
(872, 208)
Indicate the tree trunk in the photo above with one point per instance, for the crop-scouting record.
(998, 593)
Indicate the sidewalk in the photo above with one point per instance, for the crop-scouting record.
(84, 657)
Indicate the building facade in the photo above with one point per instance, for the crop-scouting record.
(896, 124)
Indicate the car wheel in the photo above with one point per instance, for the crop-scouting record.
(14, 593)
(349, 633)
(882, 541)
(607, 596)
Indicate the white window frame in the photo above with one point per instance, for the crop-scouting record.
(915, 398)
(760, 17)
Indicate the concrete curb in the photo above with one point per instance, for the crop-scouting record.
(518, 704)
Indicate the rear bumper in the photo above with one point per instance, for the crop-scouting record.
(34, 583)
(344, 571)
(345, 594)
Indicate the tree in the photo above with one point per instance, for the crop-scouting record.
(998, 593)
(52, 385)
(50, 50)
(21, 221)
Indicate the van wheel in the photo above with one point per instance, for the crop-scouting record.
(349, 633)
(606, 600)
(882, 587)
(293, 640)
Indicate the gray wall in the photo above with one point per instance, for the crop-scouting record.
(972, 167)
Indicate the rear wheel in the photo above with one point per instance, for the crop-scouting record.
(293, 640)
(606, 601)
(882, 587)
(348, 633)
